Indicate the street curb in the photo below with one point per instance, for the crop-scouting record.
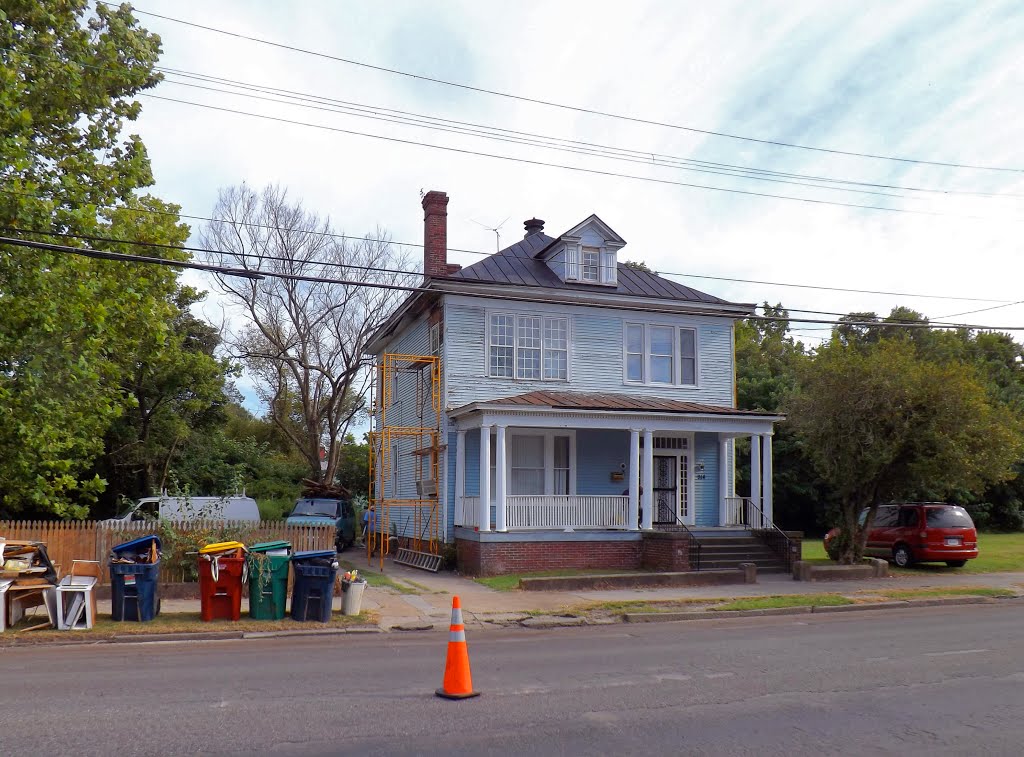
(668, 617)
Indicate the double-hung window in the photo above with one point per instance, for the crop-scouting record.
(538, 463)
(656, 354)
(592, 265)
(531, 347)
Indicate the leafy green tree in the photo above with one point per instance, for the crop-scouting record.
(70, 327)
(767, 359)
(881, 423)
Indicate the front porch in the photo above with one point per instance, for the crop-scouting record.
(581, 487)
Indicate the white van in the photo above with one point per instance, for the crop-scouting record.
(166, 507)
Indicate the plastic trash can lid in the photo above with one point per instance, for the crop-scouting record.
(137, 545)
(310, 555)
(221, 546)
(269, 546)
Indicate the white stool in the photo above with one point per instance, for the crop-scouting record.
(76, 596)
(4, 584)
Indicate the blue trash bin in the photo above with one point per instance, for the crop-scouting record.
(135, 586)
(313, 590)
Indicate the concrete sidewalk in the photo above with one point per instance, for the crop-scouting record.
(429, 598)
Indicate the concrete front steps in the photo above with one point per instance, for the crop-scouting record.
(719, 552)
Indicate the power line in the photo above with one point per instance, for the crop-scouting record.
(579, 169)
(533, 139)
(333, 235)
(563, 106)
(258, 274)
(420, 120)
(243, 256)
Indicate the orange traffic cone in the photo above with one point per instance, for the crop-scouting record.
(458, 683)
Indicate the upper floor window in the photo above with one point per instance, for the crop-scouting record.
(660, 354)
(594, 265)
(528, 347)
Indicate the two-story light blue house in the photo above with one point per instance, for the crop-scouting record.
(587, 408)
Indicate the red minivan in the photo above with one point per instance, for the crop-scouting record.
(919, 532)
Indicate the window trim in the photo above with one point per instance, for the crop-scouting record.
(677, 356)
(516, 315)
(607, 263)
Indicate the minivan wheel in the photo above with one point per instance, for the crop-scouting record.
(956, 563)
(902, 556)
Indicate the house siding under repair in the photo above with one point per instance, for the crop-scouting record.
(591, 404)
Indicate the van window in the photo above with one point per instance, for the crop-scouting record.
(948, 517)
(885, 517)
(908, 517)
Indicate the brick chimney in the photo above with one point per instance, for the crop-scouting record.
(533, 226)
(435, 236)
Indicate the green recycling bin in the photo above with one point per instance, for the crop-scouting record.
(268, 579)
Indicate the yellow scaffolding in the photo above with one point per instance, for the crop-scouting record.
(424, 530)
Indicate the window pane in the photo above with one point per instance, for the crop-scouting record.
(634, 338)
(661, 369)
(501, 361)
(561, 451)
(687, 342)
(556, 364)
(591, 264)
(527, 456)
(661, 340)
(556, 333)
(634, 367)
(529, 337)
(689, 369)
(501, 330)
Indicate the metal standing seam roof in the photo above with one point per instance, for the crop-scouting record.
(613, 402)
(517, 265)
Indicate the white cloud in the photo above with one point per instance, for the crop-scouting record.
(938, 82)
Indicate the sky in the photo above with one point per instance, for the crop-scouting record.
(935, 82)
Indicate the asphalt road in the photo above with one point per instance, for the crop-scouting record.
(946, 680)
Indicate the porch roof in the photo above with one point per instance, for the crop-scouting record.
(605, 402)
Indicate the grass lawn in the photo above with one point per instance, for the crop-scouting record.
(997, 553)
(511, 582)
(792, 600)
(171, 622)
(952, 591)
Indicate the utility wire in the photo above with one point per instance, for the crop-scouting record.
(250, 224)
(579, 169)
(244, 256)
(563, 106)
(258, 274)
(533, 139)
(393, 115)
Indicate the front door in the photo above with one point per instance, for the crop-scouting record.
(666, 489)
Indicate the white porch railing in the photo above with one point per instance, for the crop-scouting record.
(566, 511)
(467, 512)
(741, 511)
(540, 511)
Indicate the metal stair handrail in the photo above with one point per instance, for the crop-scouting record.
(695, 545)
(774, 536)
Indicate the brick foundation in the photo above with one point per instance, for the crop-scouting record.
(667, 551)
(655, 551)
(477, 558)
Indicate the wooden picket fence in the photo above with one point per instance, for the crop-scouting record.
(92, 540)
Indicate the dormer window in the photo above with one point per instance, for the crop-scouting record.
(591, 265)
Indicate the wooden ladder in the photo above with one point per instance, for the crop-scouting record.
(421, 560)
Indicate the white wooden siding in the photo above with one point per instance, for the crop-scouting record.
(595, 353)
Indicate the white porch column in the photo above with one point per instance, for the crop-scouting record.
(723, 480)
(484, 517)
(767, 484)
(755, 471)
(633, 471)
(460, 473)
(499, 481)
(647, 484)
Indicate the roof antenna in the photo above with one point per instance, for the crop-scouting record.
(495, 229)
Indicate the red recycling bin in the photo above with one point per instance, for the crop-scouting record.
(220, 584)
